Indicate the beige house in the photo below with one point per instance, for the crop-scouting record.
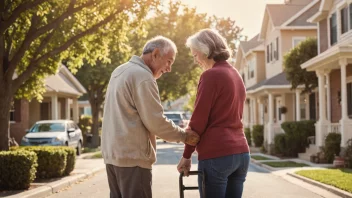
(333, 66)
(60, 102)
(270, 98)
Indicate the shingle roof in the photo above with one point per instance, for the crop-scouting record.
(59, 83)
(279, 79)
(248, 45)
(280, 13)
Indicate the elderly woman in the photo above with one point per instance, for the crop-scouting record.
(223, 152)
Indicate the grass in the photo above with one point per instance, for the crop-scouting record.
(97, 155)
(285, 164)
(258, 157)
(340, 178)
(90, 150)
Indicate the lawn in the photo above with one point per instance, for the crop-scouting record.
(340, 178)
(284, 164)
(97, 155)
(90, 150)
(258, 157)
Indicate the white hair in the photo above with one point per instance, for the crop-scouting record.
(210, 43)
(162, 43)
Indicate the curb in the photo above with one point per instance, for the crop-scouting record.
(269, 168)
(329, 188)
(54, 187)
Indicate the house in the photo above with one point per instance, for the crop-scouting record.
(334, 70)
(270, 100)
(59, 102)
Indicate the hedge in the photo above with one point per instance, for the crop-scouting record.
(51, 160)
(71, 159)
(332, 146)
(17, 169)
(247, 132)
(258, 135)
(296, 136)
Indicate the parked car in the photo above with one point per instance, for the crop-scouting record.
(54, 133)
(178, 117)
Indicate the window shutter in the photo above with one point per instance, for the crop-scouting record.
(277, 48)
(349, 99)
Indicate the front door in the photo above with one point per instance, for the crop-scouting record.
(44, 111)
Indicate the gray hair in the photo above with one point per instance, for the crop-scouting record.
(162, 43)
(211, 43)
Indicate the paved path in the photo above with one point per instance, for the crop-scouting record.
(260, 183)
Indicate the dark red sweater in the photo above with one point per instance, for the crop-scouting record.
(217, 115)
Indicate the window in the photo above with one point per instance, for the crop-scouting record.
(251, 68)
(12, 113)
(271, 51)
(296, 41)
(267, 54)
(333, 29)
(344, 20)
(277, 48)
(349, 99)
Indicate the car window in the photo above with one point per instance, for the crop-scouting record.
(48, 127)
(173, 116)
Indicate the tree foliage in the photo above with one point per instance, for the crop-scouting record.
(178, 23)
(35, 35)
(292, 63)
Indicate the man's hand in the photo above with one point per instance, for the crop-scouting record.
(192, 138)
(184, 166)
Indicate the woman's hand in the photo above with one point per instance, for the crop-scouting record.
(184, 166)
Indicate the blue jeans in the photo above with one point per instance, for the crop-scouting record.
(224, 176)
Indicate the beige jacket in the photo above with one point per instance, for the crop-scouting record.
(133, 116)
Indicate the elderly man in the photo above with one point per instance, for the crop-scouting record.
(133, 116)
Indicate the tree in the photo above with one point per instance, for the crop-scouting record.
(292, 65)
(35, 35)
(178, 23)
(95, 78)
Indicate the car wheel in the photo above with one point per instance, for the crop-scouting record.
(79, 148)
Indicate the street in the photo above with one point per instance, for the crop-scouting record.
(260, 183)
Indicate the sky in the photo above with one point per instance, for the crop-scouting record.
(248, 14)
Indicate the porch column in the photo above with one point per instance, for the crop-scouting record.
(255, 113)
(54, 108)
(67, 109)
(246, 114)
(328, 94)
(75, 110)
(298, 105)
(344, 117)
(321, 125)
(271, 118)
(261, 109)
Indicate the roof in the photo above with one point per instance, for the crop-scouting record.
(64, 82)
(248, 45)
(280, 13)
(279, 79)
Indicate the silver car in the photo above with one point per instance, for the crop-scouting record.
(54, 133)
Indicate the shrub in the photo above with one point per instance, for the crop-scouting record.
(51, 160)
(247, 132)
(258, 135)
(332, 146)
(280, 144)
(85, 123)
(348, 153)
(17, 169)
(297, 134)
(71, 159)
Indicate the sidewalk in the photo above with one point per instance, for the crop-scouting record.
(290, 175)
(84, 168)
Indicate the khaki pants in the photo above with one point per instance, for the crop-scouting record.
(129, 182)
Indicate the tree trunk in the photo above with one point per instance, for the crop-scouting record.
(95, 125)
(5, 106)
